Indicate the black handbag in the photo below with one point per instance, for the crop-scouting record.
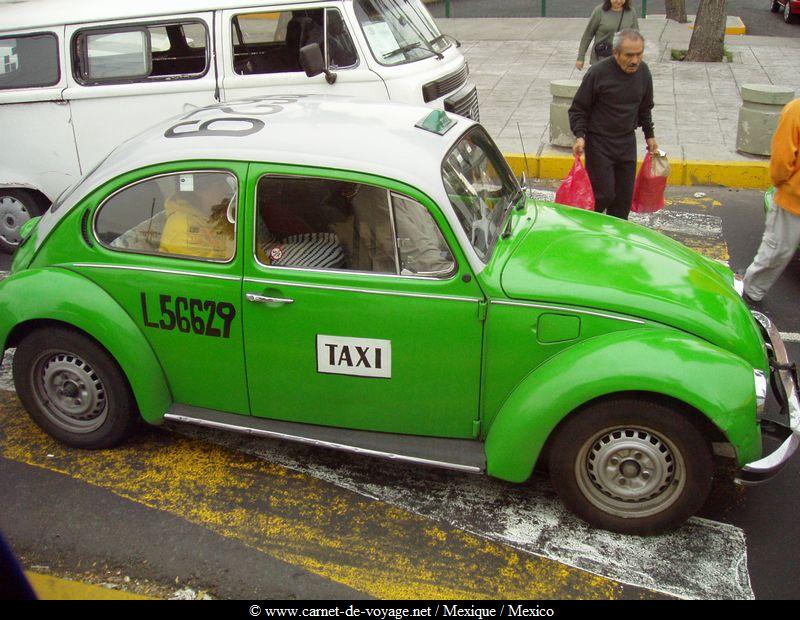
(603, 49)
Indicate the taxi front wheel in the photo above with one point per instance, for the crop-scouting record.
(631, 466)
(73, 389)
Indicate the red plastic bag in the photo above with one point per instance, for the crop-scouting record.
(576, 189)
(648, 189)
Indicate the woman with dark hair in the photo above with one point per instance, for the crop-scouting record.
(607, 19)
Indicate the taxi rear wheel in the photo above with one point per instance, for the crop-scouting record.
(73, 389)
(631, 466)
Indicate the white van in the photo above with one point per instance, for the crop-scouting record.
(78, 77)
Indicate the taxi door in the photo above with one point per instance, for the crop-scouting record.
(336, 332)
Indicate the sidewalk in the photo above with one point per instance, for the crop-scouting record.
(513, 61)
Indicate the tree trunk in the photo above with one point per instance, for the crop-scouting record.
(676, 10)
(708, 36)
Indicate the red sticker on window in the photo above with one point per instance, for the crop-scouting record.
(276, 254)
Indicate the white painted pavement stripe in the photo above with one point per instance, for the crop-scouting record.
(702, 560)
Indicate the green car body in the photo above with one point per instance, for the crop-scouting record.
(570, 310)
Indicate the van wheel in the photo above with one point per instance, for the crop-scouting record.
(16, 207)
(631, 466)
(73, 389)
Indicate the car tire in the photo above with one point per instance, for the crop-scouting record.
(788, 16)
(73, 389)
(631, 466)
(17, 206)
(776, 6)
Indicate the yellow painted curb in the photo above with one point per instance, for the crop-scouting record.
(49, 588)
(738, 174)
(734, 25)
(734, 174)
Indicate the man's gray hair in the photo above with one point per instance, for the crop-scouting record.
(626, 34)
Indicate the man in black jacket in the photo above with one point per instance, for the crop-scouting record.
(615, 97)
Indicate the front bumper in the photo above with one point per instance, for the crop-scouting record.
(783, 379)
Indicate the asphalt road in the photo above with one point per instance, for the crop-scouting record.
(756, 14)
(245, 518)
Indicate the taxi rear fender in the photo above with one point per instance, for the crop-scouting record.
(55, 294)
(661, 362)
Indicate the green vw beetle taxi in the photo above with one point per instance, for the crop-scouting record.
(372, 277)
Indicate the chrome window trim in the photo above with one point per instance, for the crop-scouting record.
(201, 259)
(177, 272)
(352, 289)
(601, 315)
(451, 276)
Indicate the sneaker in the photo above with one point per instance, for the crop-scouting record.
(755, 304)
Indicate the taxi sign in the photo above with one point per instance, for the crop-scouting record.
(436, 122)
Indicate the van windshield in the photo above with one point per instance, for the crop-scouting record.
(399, 31)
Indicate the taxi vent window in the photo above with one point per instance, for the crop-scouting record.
(29, 61)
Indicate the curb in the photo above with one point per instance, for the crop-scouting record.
(50, 588)
(732, 174)
(733, 25)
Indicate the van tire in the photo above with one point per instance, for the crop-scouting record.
(17, 206)
(73, 389)
(631, 465)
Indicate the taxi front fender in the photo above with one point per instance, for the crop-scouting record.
(60, 295)
(662, 362)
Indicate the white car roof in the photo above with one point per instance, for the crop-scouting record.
(343, 133)
(31, 14)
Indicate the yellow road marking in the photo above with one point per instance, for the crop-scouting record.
(372, 547)
(49, 588)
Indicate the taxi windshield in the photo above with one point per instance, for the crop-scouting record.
(481, 188)
(399, 31)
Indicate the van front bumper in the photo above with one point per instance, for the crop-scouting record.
(783, 379)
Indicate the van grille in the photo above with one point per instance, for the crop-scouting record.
(445, 85)
(466, 106)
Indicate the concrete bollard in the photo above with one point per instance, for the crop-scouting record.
(759, 115)
(563, 91)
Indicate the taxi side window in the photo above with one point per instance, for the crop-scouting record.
(187, 215)
(29, 61)
(330, 224)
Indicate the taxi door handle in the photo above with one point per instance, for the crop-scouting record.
(261, 299)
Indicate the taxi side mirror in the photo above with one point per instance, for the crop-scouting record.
(313, 63)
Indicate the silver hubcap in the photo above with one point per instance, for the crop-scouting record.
(630, 472)
(13, 214)
(71, 393)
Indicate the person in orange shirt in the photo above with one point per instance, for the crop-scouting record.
(782, 232)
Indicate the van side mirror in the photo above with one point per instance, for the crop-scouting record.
(313, 63)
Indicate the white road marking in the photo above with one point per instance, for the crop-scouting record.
(702, 560)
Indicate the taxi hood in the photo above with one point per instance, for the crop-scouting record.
(580, 258)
